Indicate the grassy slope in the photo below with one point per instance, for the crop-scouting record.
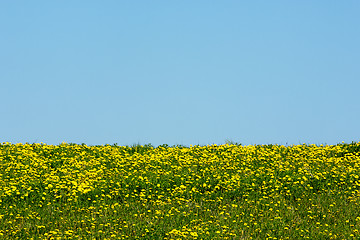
(74, 191)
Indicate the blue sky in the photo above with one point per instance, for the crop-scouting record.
(180, 72)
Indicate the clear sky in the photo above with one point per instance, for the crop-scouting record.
(180, 72)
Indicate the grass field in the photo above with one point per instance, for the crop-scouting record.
(71, 191)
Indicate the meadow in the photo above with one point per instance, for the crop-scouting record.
(229, 191)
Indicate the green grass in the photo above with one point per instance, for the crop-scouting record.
(230, 191)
